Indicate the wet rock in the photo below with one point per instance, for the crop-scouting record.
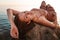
(5, 34)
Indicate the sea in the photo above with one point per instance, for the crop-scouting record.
(4, 27)
(4, 22)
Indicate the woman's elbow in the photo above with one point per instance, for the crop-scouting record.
(8, 9)
(9, 12)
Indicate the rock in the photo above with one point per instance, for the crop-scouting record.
(40, 32)
(5, 34)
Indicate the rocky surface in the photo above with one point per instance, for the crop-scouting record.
(4, 33)
(39, 32)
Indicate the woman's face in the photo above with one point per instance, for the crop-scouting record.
(24, 18)
(21, 17)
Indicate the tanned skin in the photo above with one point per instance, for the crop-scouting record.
(37, 15)
(51, 12)
(43, 5)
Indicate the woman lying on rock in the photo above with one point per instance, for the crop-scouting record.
(46, 17)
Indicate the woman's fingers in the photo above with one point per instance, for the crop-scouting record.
(14, 33)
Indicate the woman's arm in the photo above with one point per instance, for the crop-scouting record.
(14, 31)
(10, 16)
(11, 13)
(42, 20)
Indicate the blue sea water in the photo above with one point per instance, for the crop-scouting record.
(4, 27)
(4, 22)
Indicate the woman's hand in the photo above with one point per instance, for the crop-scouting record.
(14, 31)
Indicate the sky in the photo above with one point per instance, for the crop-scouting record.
(22, 5)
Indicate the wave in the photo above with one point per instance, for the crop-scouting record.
(4, 23)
